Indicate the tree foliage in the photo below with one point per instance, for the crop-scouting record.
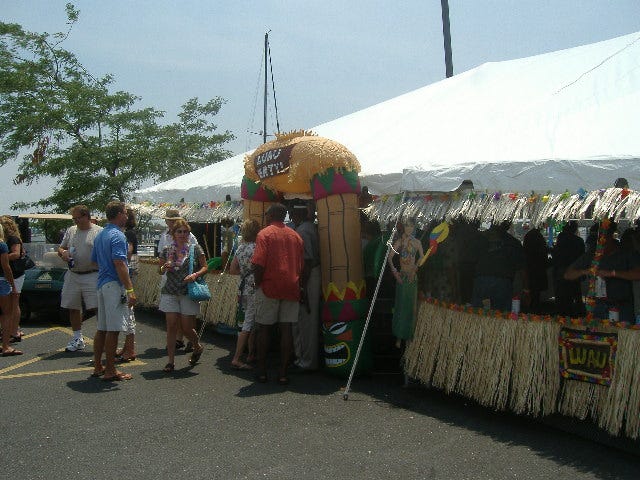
(96, 143)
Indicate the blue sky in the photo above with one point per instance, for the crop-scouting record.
(330, 57)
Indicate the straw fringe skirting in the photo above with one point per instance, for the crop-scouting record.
(224, 300)
(514, 364)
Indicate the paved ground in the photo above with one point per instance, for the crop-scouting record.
(211, 422)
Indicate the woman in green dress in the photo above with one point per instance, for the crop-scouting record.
(409, 250)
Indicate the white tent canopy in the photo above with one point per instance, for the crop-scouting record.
(552, 122)
(210, 183)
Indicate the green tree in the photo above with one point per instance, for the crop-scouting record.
(95, 142)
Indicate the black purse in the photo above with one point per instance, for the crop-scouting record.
(23, 263)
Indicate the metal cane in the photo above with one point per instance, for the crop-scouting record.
(345, 395)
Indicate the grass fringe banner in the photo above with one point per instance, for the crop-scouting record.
(470, 205)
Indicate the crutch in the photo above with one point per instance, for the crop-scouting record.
(204, 322)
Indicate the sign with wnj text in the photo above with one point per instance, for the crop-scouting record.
(273, 162)
(587, 356)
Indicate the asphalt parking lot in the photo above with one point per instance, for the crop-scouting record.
(210, 421)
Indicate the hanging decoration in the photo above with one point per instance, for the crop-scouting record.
(614, 203)
(196, 212)
(438, 235)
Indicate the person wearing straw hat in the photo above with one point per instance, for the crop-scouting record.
(170, 216)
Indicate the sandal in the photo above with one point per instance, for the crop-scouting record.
(283, 381)
(118, 377)
(241, 366)
(262, 378)
(122, 359)
(195, 356)
(12, 353)
(169, 367)
(98, 373)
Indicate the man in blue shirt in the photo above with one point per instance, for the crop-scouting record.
(115, 291)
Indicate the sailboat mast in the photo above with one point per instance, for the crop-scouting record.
(264, 124)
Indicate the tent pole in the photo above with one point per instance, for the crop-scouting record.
(264, 110)
(345, 395)
(446, 33)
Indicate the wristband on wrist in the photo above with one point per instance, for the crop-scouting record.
(129, 290)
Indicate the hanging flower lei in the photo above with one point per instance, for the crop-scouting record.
(595, 263)
(178, 256)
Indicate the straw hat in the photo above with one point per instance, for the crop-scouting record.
(172, 214)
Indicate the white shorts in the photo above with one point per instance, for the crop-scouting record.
(78, 287)
(19, 282)
(113, 313)
(270, 311)
(181, 304)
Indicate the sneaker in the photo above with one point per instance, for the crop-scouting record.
(75, 344)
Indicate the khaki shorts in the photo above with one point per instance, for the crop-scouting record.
(77, 288)
(113, 313)
(270, 311)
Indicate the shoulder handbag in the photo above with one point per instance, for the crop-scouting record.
(199, 290)
(21, 264)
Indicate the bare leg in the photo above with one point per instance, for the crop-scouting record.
(251, 354)
(129, 347)
(98, 349)
(75, 318)
(286, 347)
(15, 324)
(179, 333)
(172, 325)
(188, 329)
(110, 345)
(262, 335)
(241, 344)
(5, 322)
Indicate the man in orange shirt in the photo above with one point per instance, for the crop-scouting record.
(277, 261)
